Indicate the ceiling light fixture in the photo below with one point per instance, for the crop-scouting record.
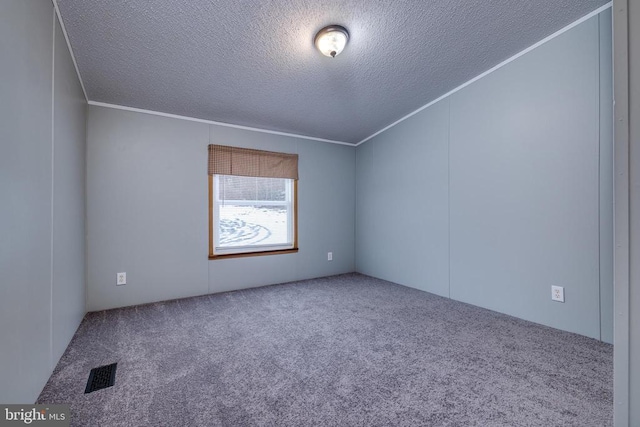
(331, 40)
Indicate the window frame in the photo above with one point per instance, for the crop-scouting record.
(249, 253)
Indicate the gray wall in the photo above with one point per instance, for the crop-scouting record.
(606, 177)
(626, 24)
(494, 194)
(402, 198)
(634, 135)
(42, 140)
(147, 210)
(69, 198)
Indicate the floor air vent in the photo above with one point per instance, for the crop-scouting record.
(101, 377)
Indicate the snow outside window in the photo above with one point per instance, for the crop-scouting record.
(252, 214)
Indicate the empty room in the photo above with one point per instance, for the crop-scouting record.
(340, 213)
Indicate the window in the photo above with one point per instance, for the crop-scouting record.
(252, 202)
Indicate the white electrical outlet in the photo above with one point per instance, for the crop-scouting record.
(121, 279)
(329, 256)
(557, 293)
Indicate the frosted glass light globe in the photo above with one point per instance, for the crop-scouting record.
(331, 40)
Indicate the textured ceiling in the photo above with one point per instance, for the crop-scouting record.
(254, 63)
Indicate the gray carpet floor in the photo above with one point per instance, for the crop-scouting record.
(347, 350)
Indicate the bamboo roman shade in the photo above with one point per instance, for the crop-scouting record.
(224, 160)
